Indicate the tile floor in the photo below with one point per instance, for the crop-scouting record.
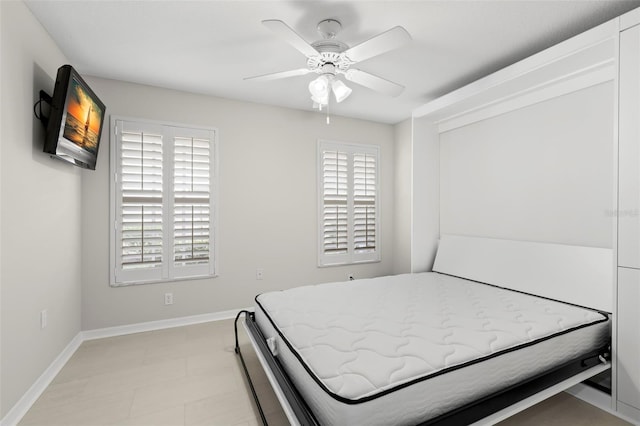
(191, 376)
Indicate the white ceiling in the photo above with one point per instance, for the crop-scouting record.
(209, 46)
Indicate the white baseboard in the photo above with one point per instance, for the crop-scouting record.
(629, 413)
(101, 333)
(18, 411)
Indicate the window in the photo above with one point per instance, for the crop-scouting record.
(348, 203)
(162, 201)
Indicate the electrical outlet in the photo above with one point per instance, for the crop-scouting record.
(43, 319)
(259, 273)
(168, 298)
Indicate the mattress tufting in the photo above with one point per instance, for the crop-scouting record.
(354, 343)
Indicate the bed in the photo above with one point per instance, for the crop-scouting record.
(453, 346)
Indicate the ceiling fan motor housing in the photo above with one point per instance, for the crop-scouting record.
(330, 52)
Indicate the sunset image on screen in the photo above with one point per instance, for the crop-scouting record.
(84, 117)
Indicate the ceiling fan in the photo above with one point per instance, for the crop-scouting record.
(330, 57)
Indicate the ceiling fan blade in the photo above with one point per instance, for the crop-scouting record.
(374, 82)
(290, 36)
(277, 75)
(384, 42)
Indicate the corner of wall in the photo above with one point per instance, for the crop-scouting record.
(48, 278)
(425, 194)
(402, 198)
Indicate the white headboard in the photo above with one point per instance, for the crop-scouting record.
(573, 274)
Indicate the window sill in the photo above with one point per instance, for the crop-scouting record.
(360, 262)
(170, 280)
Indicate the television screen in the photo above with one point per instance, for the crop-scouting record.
(75, 122)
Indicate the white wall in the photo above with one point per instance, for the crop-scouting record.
(402, 199)
(425, 192)
(40, 199)
(540, 173)
(267, 204)
(55, 218)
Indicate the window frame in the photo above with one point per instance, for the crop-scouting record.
(351, 257)
(168, 272)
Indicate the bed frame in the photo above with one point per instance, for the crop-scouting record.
(578, 275)
(535, 268)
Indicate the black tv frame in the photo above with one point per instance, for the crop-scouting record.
(56, 144)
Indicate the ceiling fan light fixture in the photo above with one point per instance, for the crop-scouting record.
(340, 90)
(321, 100)
(319, 87)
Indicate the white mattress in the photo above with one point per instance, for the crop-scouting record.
(401, 350)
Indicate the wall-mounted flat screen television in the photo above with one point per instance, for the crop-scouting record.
(75, 122)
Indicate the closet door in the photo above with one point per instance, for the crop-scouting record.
(629, 150)
(629, 337)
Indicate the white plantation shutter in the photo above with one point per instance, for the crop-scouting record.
(163, 202)
(364, 202)
(192, 169)
(348, 211)
(335, 192)
(141, 202)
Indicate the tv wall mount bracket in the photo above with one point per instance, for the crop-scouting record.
(37, 107)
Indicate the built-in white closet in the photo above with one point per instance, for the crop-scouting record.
(628, 339)
(574, 111)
